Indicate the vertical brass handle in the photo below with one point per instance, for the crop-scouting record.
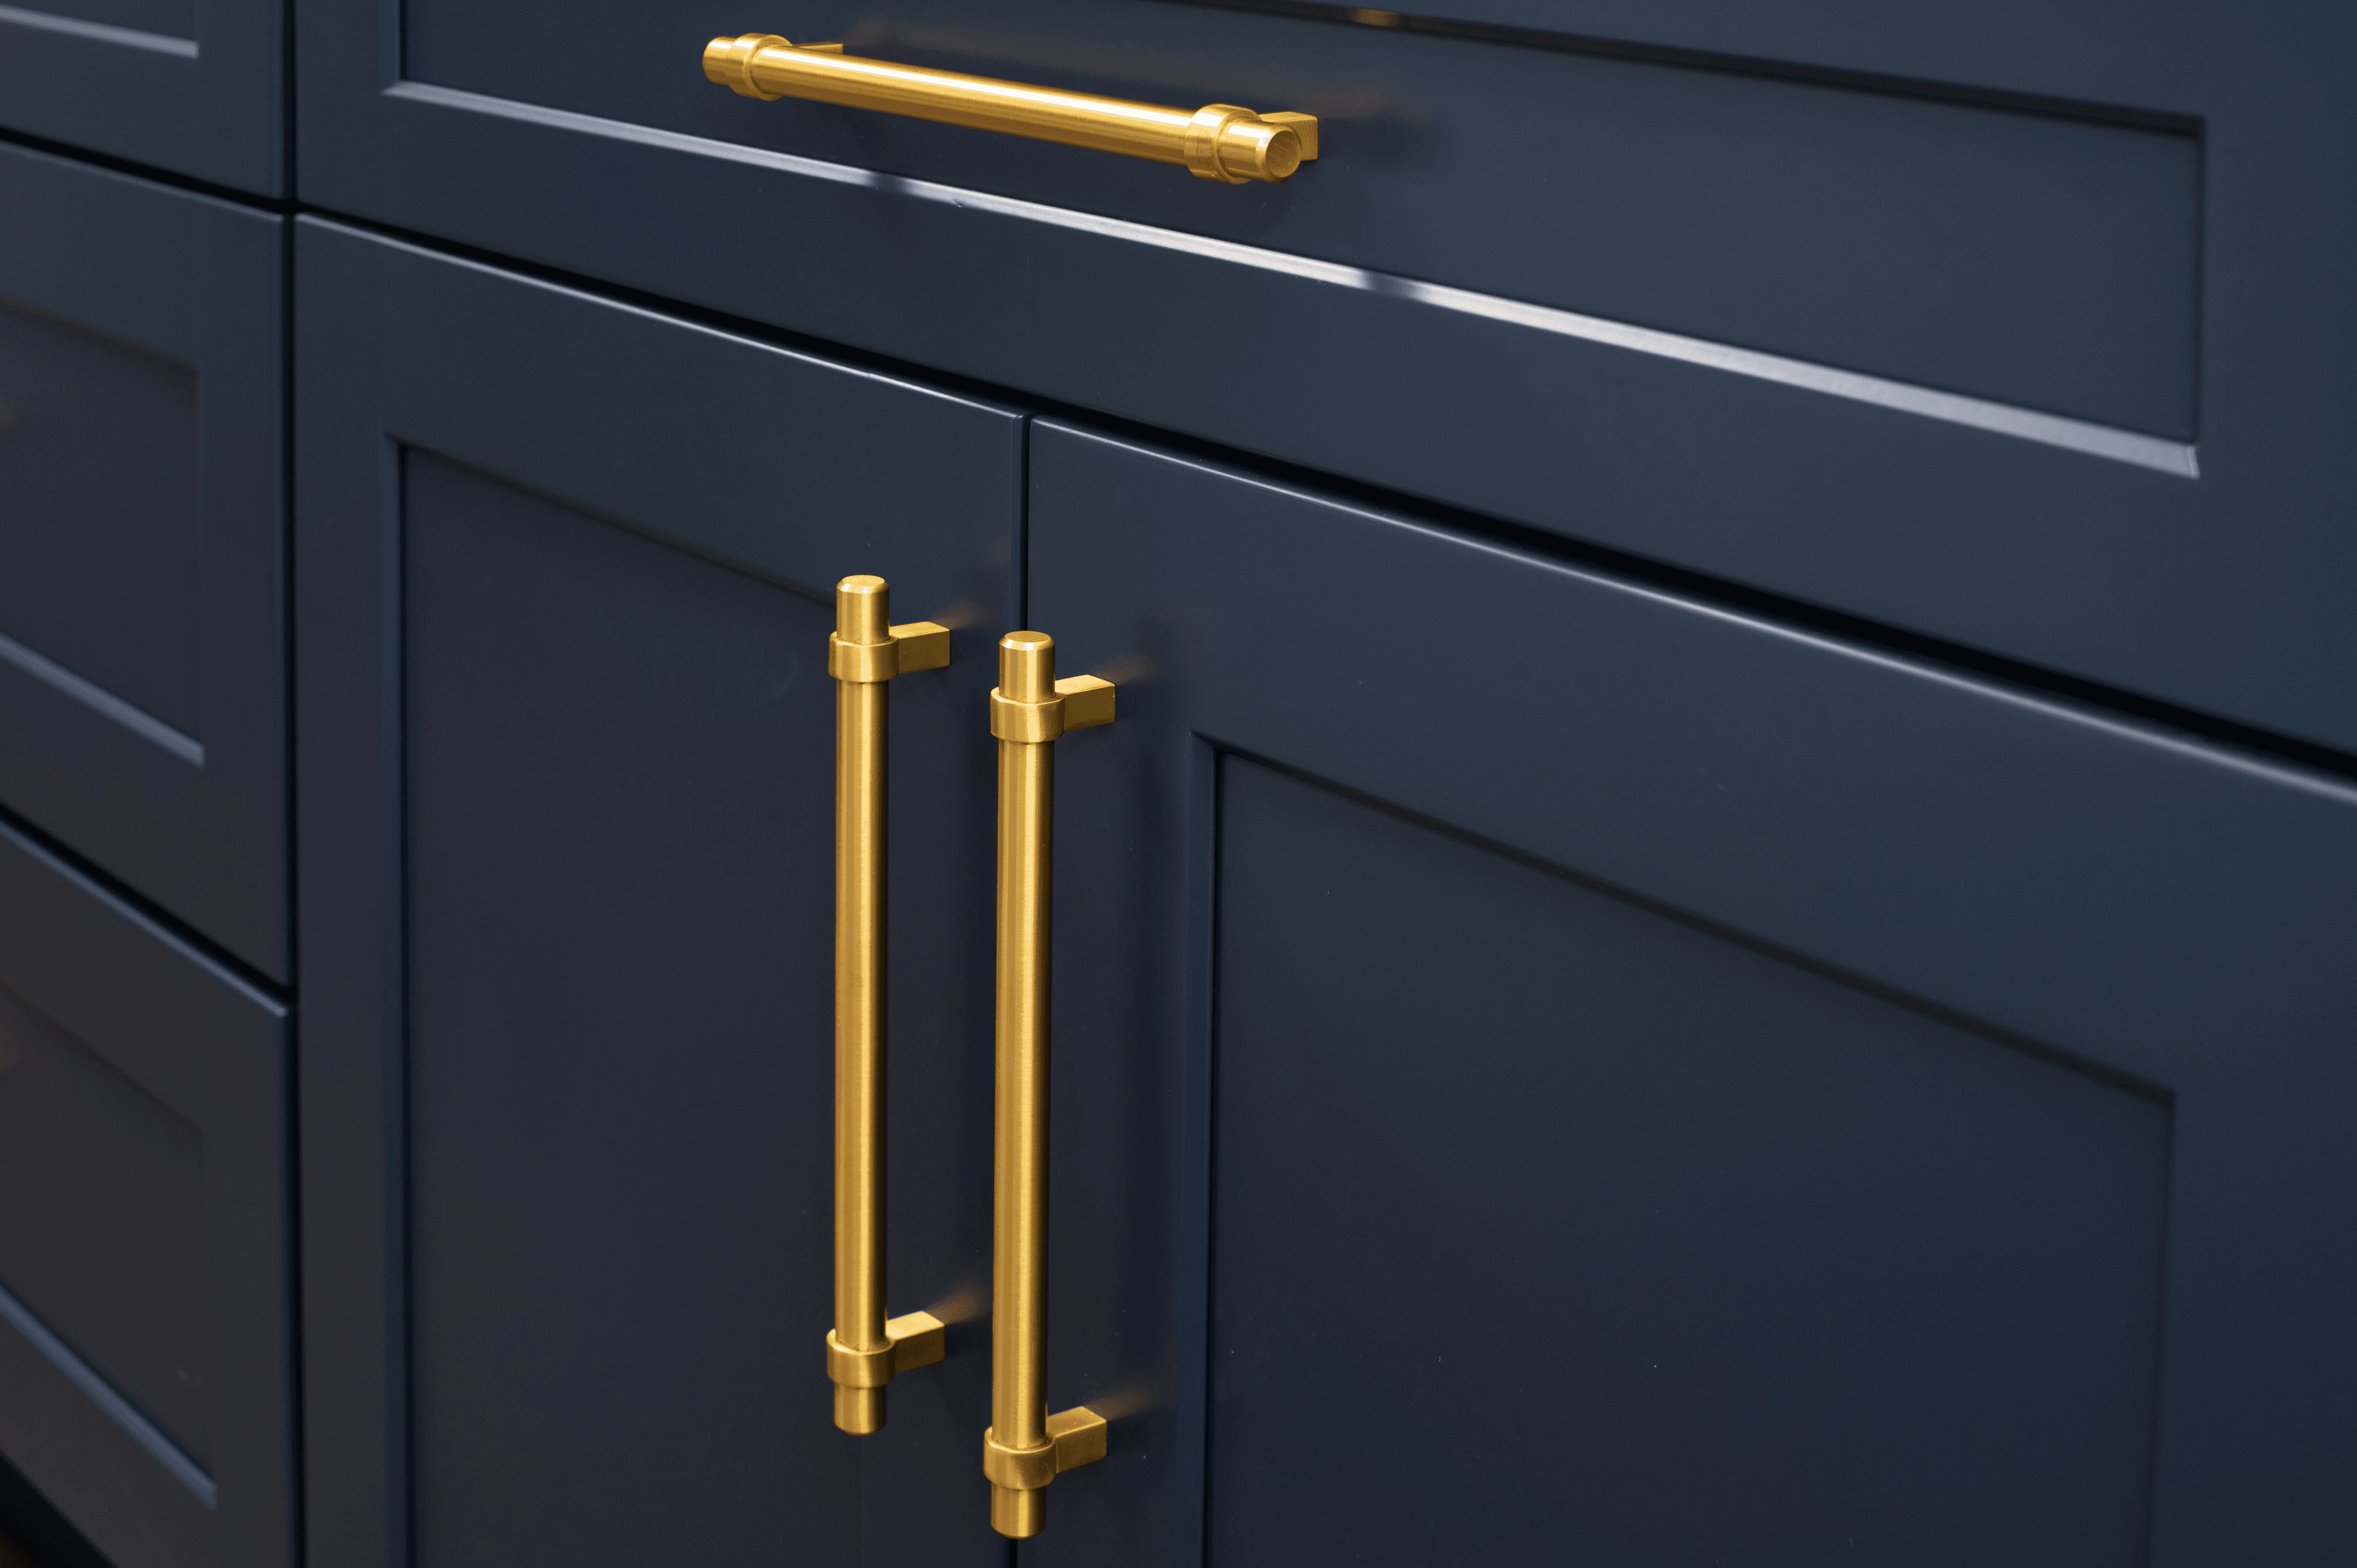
(863, 1350)
(1025, 1447)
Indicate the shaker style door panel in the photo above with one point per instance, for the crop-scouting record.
(567, 575)
(198, 87)
(141, 579)
(145, 1363)
(1547, 1067)
(1715, 1255)
(1977, 324)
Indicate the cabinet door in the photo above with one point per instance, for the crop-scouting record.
(142, 608)
(1550, 1070)
(198, 87)
(146, 1351)
(567, 775)
(1972, 321)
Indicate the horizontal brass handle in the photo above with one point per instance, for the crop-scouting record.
(1216, 142)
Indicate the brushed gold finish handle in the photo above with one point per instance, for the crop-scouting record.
(1025, 1447)
(863, 1351)
(1218, 142)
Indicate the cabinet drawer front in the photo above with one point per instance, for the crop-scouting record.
(145, 1344)
(567, 774)
(1980, 326)
(193, 86)
(141, 584)
(1669, 1085)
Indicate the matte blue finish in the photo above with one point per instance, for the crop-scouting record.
(566, 751)
(146, 1332)
(200, 88)
(618, 1129)
(1840, 1031)
(2041, 261)
(1763, 1266)
(1882, 1114)
(172, 18)
(143, 575)
(103, 468)
(123, 1264)
(2097, 227)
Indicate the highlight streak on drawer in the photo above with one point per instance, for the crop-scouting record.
(2092, 439)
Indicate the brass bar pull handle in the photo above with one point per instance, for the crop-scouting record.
(1216, 142)
(864, 1351)
(1025, 1447)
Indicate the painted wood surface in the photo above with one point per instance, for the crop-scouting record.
(1801, 1093)
(2017, 328)
(143, 519)
(567, 759)
(146, 1303)
(201, 90)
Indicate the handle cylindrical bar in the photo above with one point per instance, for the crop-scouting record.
(1216, 142)
(860, 710)
(1018, 1325)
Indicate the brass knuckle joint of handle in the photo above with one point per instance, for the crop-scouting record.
(863, 1350)
(1218, 142)
(1025, 1447)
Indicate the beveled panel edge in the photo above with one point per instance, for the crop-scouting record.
(103, 1394)
(101, 701)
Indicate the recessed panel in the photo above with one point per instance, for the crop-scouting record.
(103, 1230)
(99, 536)
(619, 1048)
(1551, 1227)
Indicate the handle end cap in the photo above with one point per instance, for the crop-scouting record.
(730, 62)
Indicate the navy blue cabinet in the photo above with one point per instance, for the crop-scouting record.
(566, 576)
(147, 1349)
(1692, 1086)
(143, 440)
(196, 87)
(1714, 927)
(2017, 328)
(1552, 1069)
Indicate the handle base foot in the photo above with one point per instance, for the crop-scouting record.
(918, 1340)
(859, 1411)
(1018, 1516)
(1075, 1437)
